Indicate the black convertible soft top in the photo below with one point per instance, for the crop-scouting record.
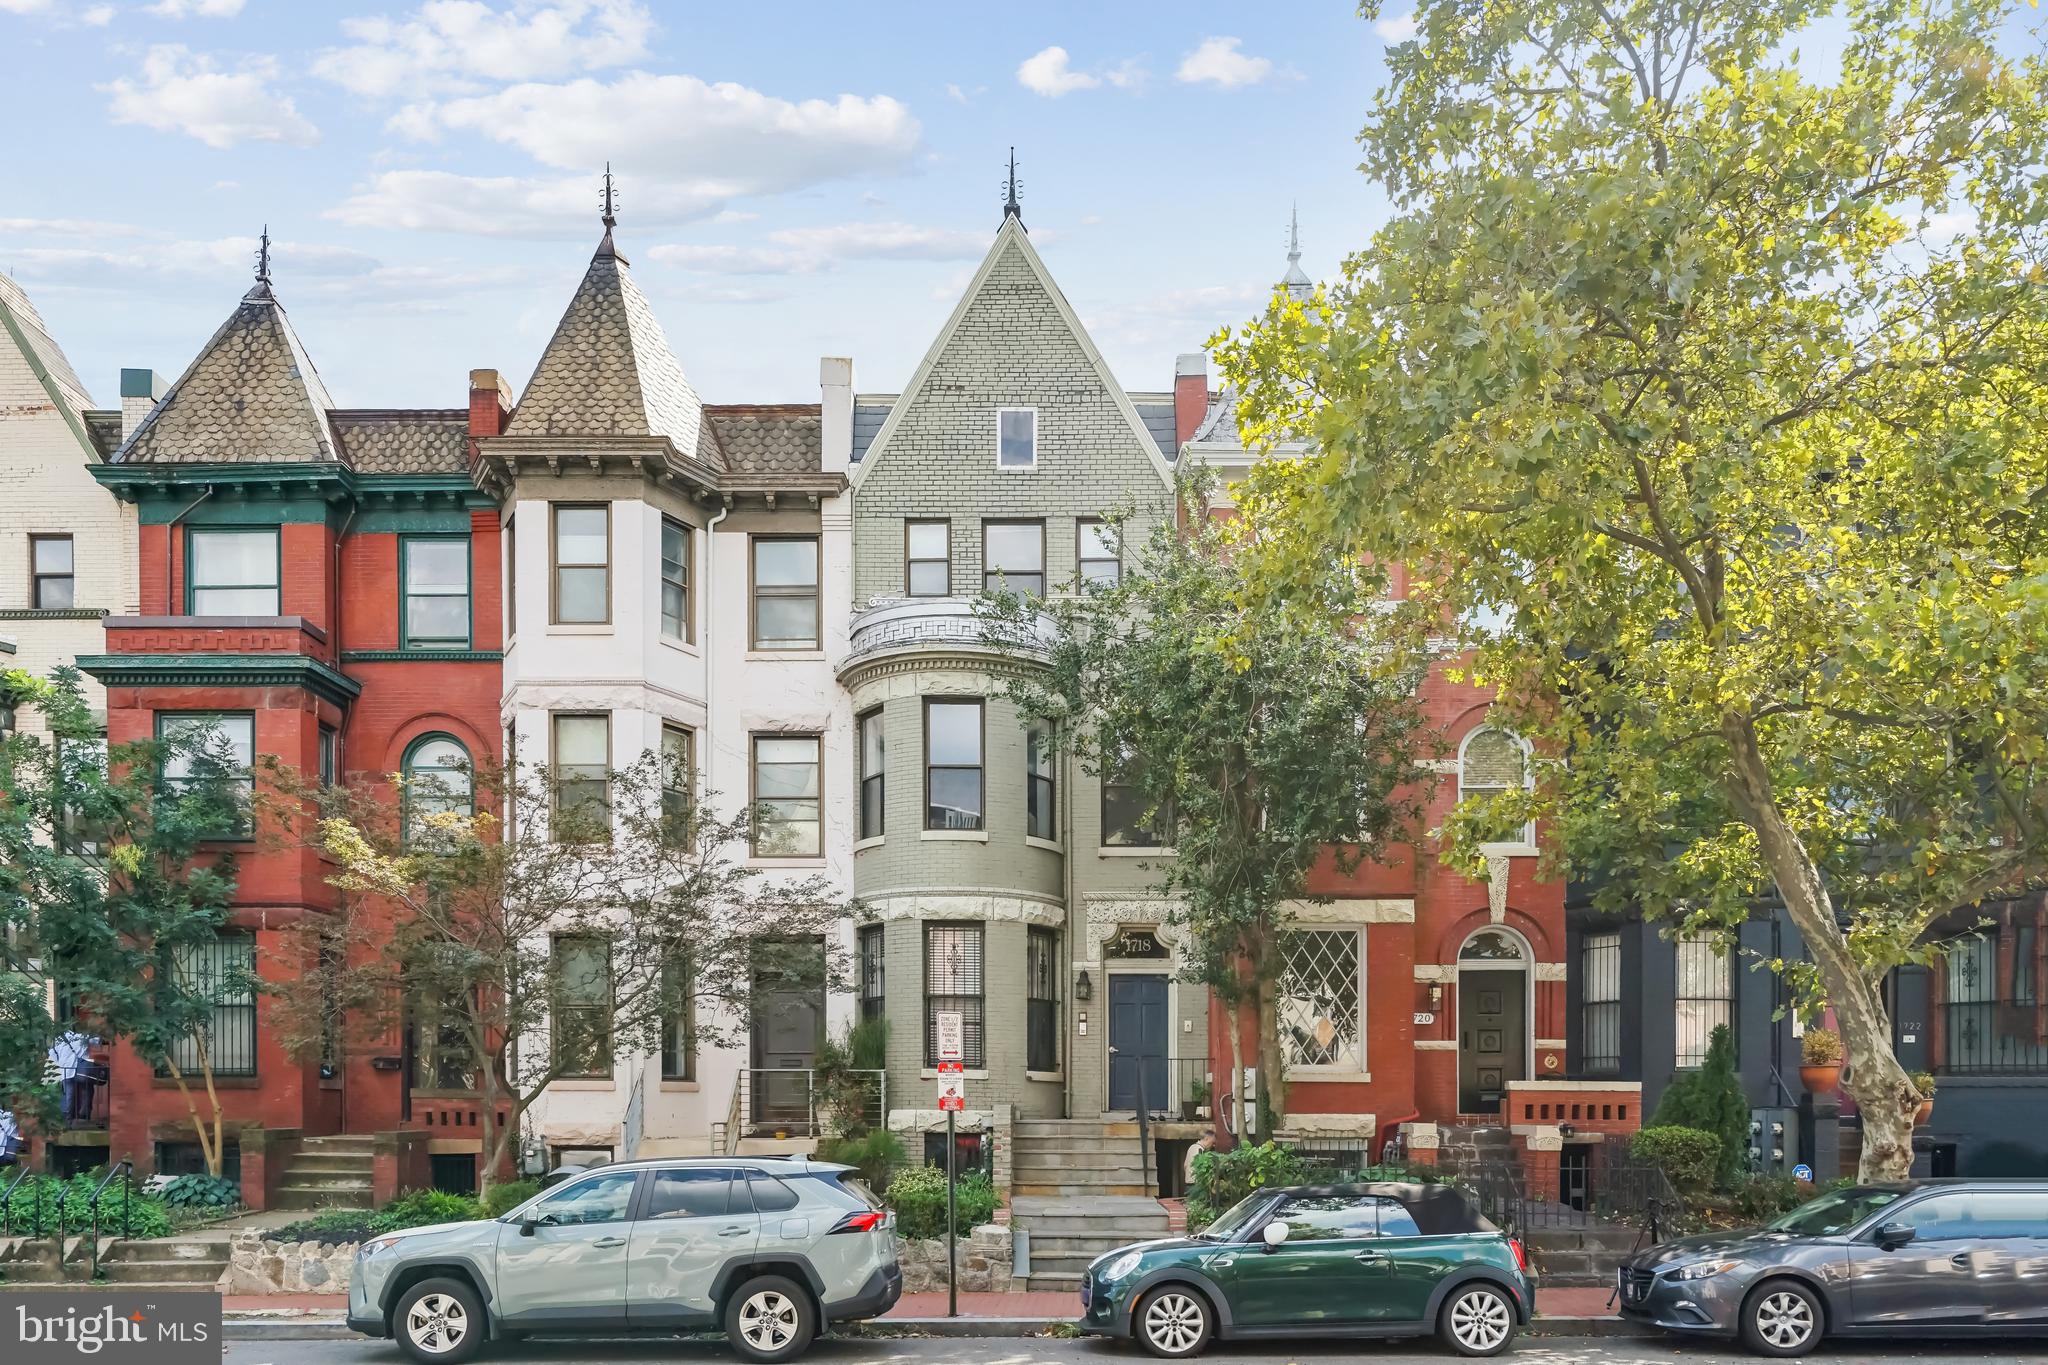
(1438, 1210)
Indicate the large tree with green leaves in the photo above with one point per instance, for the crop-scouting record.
(1711, 376)
(115, 886)
(1270, 741)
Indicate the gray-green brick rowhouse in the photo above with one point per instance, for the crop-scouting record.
(997, 880)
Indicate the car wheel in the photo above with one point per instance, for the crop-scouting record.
(1782, 1318)
(770, 1319)
(1477, 1320)
(1173, 1321)
(439, 1321)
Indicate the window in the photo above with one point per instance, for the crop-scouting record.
(81, 763)
(953, 983)
(927, 558)
(1998, 1214)
(601, 1198)
(583, 778)
(437, 781)
(1042, 1000)
(511, 581)
(1493, 761)
(1041, 810)
(770, 1195)
(441, 1058)
(1013, 557)
(785, 593)
(873, 812)
(677, 769)
(678, 1022)
(199, 740)
(1127, 822)
(51, 586)
(223, 973)
(330, 756)
(1320, 995)
(434, 571)
(1945, 1217)
(1396, 1221)
(1100, 550)
(693, 1192)
(1600, 1003)
(1016, 438)
(873, 972)
(580, 1013)
(1329, 1217)
(952, 765)
(581, 564)
(1991, 999)
(232, 573)
(787, 819)
(1705, 991)
(675, 580)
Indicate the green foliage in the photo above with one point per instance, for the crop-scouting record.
(336, 1227)
(1691, 1157)
(849, 1088)
(1758, 1198)
(1820, 1047)
(419, 1208)
(500, 1200)
(205, 1192)
(1710, 1099)
(65, 1206)
(1923, 1081)
(1223, 1178)
(918, 1196)
(876, 1154)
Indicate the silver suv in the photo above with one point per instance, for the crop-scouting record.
(768, 1250)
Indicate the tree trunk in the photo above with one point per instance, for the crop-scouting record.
(1236, 1096)
(208, 1152)
(1884, 1094)
(1272, 1065)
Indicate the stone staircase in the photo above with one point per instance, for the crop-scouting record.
(193, 1261)
(1582, 1257)
(329, 1173)
(1471, 1148)
(1079, 1190)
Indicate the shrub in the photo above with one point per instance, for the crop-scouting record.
(1821, 1047)
(66, 1207)
(1923, 1081)
(204, 1192)
(421, 1208)
(875, 1155)
(918, 1196)
(1223, 1178)
(333, 1226)
(1760, 1198)
(1689, 1156)
(1711, 1099)
(500, 1200)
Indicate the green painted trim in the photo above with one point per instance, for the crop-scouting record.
(430, 521)
(297, 493)
(42, 374)
(423, 656)
(405, 544)
(222, 670)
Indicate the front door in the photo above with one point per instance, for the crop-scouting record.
(570, 1271)
(1137, 1042)
(696, 1218)
(1492, 1048)
(789, 1021)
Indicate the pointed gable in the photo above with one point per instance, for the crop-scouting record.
(21, 327)
(251, 396)
(608, 370)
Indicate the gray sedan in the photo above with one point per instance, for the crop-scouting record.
(1934, 1258)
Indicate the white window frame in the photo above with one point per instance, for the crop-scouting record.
(1000, 414)
(1362, 1071)
(1528, 841)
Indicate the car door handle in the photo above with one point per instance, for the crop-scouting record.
(1370, 1258)
(1961, 1260)
(732, 1232)
(1223, 1262)
(609, 1242)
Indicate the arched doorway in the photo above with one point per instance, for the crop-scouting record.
(1493, 1017)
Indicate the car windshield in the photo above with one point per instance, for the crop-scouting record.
(1236, 1220)
(1833, 1213)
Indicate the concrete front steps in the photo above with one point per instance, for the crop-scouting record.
(1077, 1158)
(1066, 1234)
(329, 1173)
(193, 1261)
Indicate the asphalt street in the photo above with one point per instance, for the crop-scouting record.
(1057, 1351)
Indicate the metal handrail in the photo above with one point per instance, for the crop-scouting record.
(125, 1169)
(13, 1188)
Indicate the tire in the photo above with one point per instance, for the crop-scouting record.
(770, 1318)
(440, 1321)
(1477, 1320)
(1782, 1318)
(1173, 1322)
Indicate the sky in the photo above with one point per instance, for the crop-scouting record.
(794, 179)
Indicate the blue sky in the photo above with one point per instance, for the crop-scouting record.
(795, 179)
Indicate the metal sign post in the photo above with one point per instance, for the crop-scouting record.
(952, 1098)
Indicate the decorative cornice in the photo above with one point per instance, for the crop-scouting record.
(423, 656)
(334, 482)
(984, 906)
(222, 670)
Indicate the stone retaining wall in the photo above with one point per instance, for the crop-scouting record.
(985, 1263)
(259, 1264)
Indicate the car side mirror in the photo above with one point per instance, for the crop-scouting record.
(1892, 1236)
(1274, 1235)
(527, 1225)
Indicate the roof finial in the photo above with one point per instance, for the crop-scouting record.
(263, 256)
(1011, 208)
(1294, 234)
(1295, 282)
(611, 219)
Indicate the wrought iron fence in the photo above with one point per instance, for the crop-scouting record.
(802, 1102)
(1994, 1037)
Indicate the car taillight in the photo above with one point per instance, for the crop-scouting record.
(1521, 1256)
(867, 1221)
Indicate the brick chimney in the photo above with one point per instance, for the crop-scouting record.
(488, 404)
(139, 391)
(835, 397)
(1190, 394)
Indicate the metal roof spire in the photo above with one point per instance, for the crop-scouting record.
(263, 256)
(1012, 208)
(1295, 283)
(611, 218)
(1294, 234)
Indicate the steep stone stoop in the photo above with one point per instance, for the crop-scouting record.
(29, 1263)
(1066, 1234)
(1079, 1189)
(329, 1173)
(1585, 1257)
(194, 1261)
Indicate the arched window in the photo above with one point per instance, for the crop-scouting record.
(1492, 945)
(437, 778)
(1492, 761)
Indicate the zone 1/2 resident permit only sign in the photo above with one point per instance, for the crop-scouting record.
(952, 1072)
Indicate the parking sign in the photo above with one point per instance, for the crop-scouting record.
(952, 1086)
(950, 1031)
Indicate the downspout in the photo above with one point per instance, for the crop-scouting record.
(334, 597)
(708, 616)
(1067, 873)
(170, 554)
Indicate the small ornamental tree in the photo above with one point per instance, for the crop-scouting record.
(1273, 742)
(117, 885)
(598, 921)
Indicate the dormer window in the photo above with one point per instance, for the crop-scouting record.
(1016, 438)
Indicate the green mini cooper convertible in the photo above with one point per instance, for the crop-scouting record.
(1380, 1260)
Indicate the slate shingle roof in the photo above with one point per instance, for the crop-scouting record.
(251, 396)
(608, 370)
(59, 380)
(868, 417)
(395, 441)
(768, 438)
(105, 429)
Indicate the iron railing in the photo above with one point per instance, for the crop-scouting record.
(1993, 1037)
(124, 1171)
(12, 1192)
(804, 1102)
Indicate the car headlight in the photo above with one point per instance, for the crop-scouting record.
(377, 1244)
(1701, 1270)
(1122, 1266)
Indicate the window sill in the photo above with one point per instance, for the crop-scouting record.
(784, 655)
(861, 845)
(1119, 851)
(198, 1083)
(421, 1093)
(580, 628)
(1329, 1073)
(1045, 1075)
(969, 836)
(680, 1087)
(931, 1073)
(1049, 845)
(687, 647)
(590, 1084)
(770, 864)
(1514, 850)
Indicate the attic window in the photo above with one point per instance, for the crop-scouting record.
(1016, 438)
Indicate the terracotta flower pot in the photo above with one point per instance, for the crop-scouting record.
(1821, 1080)
(1925, 1113)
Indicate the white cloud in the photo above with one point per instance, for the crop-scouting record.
(505, 205)
(102, 264)
(72, 227)
(466, 45)
(181, 91)
(1218, 61)
(99, 16)
(804, 251)
(1048, 73)
(1174, 318)
(24, 6)
(1398, 30)
(194, 9)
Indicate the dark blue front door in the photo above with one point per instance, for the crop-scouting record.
(1137, 1041)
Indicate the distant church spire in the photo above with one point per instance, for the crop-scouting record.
(1296, 284)
(1011, 207)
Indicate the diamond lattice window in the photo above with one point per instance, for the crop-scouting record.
(1320, 1021)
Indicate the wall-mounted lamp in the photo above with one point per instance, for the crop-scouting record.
(1436, 994)
(1084, 989)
